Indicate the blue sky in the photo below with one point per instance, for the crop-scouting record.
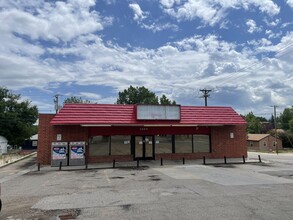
(240, 49)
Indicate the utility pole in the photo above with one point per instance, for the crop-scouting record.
(56, 102)
(275, 125)
(205, 95)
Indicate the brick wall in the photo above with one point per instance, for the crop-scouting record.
(265, 144)
(221, 142)
(45, 137)
(48, 134)
(224, 145)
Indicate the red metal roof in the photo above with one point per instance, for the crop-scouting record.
(113, 114)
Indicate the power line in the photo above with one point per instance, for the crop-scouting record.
(275, 124)
(205, 95)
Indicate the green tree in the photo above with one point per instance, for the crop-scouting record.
(137, 95)
(291, 125)
(287, 139)
(141, 95)
(254, 125)
(165, 101)
(17, 117)
(75, 99)
(285, 118)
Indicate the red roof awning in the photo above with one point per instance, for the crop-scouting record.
(125, 115)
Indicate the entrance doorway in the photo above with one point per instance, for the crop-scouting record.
(144, 148)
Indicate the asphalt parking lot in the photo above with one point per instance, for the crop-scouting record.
(173, 191)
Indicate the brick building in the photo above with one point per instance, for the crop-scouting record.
(129, 132)
(263, 142)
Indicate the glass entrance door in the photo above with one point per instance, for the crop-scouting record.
(144, 147)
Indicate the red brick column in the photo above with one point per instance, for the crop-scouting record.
(45, 136)
(223, 145)
(48, 134)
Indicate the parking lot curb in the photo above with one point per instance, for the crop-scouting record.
(19, 159)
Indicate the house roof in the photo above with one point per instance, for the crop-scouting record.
(114, 114)
(34, 137)
(256, 137)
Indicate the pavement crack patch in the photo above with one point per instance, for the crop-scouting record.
(126, 207)
(117, 177)
(155, 177)
(115, 202)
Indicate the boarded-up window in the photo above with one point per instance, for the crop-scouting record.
(183, 143)
(120, 145)
(163, 144)
(99, 146)
(201, 143)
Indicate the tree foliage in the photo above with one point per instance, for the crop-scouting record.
(254, 123)
(75, 99)
(291, 125)
(165, 101)
(286, 117)
(286, 137)
(141, 95)
(17, 117)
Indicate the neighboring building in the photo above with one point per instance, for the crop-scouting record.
(130, 132)
(3, 145)
(263, 142)
(31, 143)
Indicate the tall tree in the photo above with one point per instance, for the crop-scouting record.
(141, 95)
(137, 95)
(285, 117)
(291, 125)
(254, 125)
(17, 117)
(75, 99)
(165, 101)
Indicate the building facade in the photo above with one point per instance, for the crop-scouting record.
(144, 132)
(264, 142)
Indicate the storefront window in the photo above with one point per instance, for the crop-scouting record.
(201, 143)
(183, 143)
(120, 145)
(99, 146)
(163, 144)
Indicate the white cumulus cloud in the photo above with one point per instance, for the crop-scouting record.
(290, 3)
(59, 21)
(138, 13)
(252, 27)
(213, 11)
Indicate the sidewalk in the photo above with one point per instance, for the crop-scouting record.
(145, 164)
(142, 164)
(6, 159)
